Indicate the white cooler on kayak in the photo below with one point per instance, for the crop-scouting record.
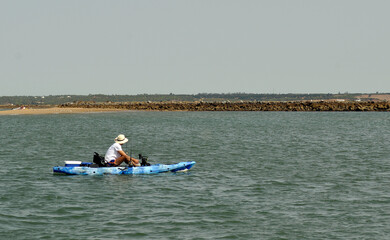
(72, 163)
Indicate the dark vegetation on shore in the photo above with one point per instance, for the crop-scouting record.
(204, 97)
(240, 106)
(209, 102)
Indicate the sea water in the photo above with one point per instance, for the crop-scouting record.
(258, 175)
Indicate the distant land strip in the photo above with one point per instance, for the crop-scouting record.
(239, 106)
(201, 97)
(204, 102)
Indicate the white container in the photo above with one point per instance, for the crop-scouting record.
(72, 163)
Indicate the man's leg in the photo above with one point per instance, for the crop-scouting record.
(120, 160)
(135, 162)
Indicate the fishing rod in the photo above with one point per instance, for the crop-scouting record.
(143, 159)
(127, 147)
(130, 149)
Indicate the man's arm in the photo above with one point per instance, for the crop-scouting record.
(128, 157)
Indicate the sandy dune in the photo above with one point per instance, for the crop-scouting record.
(55, 110)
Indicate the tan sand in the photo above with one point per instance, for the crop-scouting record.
(56, 110)
(381, 97)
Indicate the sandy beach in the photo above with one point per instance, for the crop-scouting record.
(57, 110)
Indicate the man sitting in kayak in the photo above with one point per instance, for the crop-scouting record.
(115, 155)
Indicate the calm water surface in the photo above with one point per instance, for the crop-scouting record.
(259, 175)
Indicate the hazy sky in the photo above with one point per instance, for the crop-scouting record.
(193, 46)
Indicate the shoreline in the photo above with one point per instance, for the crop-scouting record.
(302, 106)
(56, 110)
(88, 107)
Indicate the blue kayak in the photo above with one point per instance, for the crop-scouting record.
(85, 168)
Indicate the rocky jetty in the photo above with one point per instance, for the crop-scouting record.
(237, 106)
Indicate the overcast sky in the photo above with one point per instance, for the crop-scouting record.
(193, 46)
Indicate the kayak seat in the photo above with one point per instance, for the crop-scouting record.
(99, 160)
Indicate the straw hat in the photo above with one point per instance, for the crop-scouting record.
(121, 139)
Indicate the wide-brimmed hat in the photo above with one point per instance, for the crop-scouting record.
(121, 139)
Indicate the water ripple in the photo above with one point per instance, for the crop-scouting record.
(258, 176)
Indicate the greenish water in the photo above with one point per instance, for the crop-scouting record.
(259, 175)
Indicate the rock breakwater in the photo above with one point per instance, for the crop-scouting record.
(237, 106)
